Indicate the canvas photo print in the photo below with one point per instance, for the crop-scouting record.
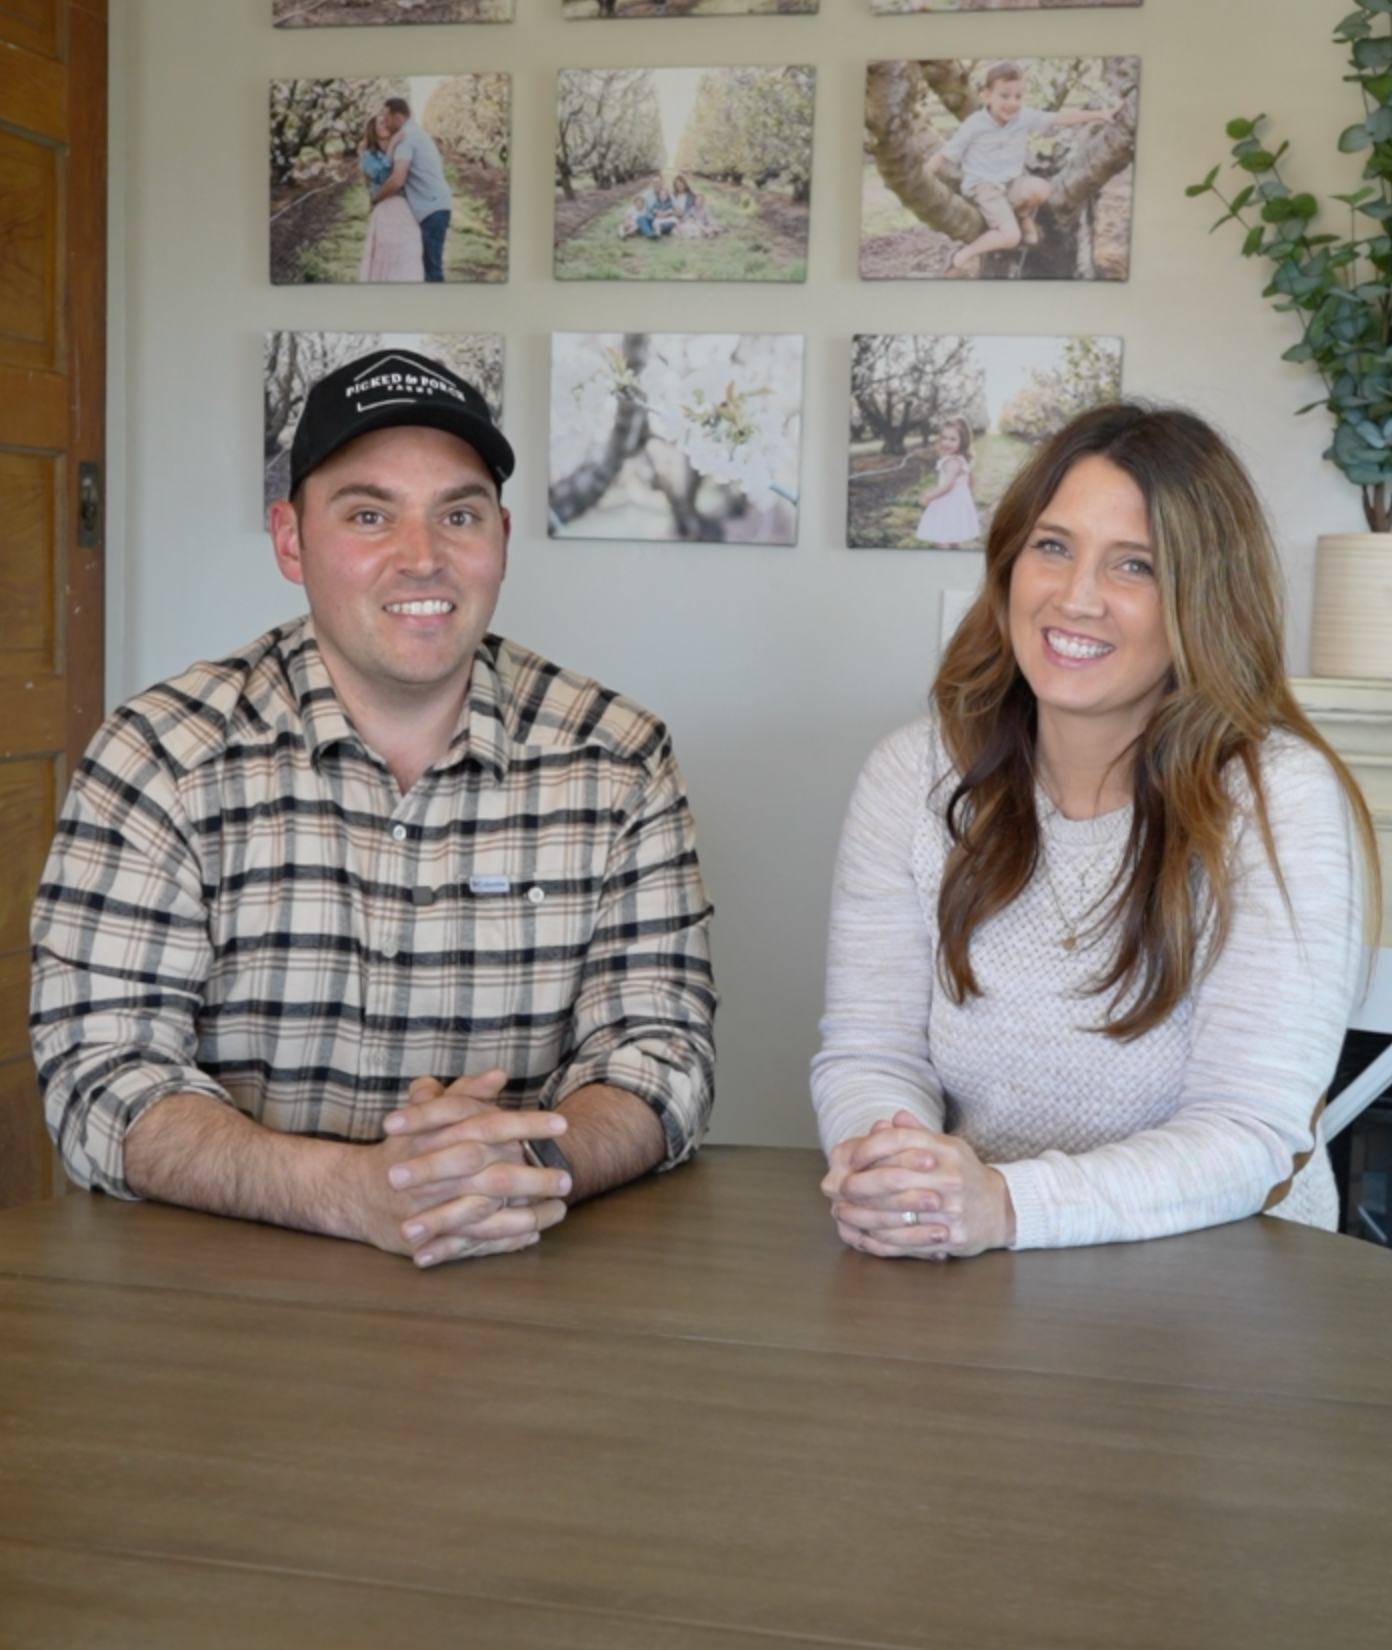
(941, 423)
(579, 10)
(999, 168)
(295, 360)
(336, 14)
(683, 174)
(888, 7)
(668, 435)
(390, 180)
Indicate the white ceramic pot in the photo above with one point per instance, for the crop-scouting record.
(1352, 632)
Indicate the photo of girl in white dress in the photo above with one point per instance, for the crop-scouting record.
(949, 509)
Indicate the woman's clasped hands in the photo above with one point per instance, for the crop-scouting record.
(904, 1190)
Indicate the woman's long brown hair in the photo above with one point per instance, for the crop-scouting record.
(1171, 907)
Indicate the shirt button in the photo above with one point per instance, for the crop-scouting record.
(536, 895)
(399, 832)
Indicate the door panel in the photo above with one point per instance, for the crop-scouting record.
(52, 392)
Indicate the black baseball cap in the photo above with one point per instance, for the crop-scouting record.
(387, 388)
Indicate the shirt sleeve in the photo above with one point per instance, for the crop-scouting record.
(645, 1010)
(874, 1059)
(120, 956)
(957, 145)
(1268, 1023)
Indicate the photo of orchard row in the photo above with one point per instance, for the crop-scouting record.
(684, 174)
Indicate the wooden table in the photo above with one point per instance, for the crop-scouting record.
(689, 1418)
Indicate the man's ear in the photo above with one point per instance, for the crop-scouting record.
(284, 525)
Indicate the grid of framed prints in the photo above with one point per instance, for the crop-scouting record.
(973, 169)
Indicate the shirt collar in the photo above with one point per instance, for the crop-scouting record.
(481, 736)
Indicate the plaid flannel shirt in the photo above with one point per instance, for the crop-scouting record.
(240, 903)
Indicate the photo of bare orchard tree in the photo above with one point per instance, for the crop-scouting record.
(342, 14)
(669, 435)
(295, 360)
(683, 174)
(321, 211)
(579, 10)
(919, 218)
(941, 423)
(893, 6)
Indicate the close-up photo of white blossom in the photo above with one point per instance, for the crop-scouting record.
(675, 436)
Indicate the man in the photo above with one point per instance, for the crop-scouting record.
(296, 894)
(419, 174)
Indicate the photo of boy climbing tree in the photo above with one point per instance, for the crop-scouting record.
(999, 169)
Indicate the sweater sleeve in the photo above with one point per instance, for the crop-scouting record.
(874, 1055)
(1268, 1022)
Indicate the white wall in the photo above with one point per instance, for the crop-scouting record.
(776, 668)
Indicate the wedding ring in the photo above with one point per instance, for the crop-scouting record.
(909, 1217)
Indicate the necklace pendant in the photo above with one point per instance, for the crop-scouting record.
(1069, 941)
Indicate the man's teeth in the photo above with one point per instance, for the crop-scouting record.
(435, 606)
(1076, 647)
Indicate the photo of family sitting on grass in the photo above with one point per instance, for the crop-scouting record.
(941, 423)
(345, 14)
(580, 9)
(390, 180)
(683, 174)
(999, 169)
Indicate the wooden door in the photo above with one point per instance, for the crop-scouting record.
(52, 393)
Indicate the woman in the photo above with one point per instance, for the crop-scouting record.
(393, 249)
(1097, 924)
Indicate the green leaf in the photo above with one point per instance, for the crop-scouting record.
(1304, 206)
(1204, 187)
(1241, 128)
(1260, 161)
(1241, 198)
(1253, 243)
(1276, 211)
(1372, 52)
(1354, 138)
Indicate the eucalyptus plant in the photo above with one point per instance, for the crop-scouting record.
(1338, 287)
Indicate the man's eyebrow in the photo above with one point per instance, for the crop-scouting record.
(467, 489)
(362, 489)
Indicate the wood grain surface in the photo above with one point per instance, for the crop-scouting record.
(689, 1417)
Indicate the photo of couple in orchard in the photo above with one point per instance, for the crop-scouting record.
(683, 174)
(389, 180)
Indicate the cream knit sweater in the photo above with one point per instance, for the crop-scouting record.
(1099, 1140)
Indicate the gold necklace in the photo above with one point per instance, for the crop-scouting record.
(1070, 928)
